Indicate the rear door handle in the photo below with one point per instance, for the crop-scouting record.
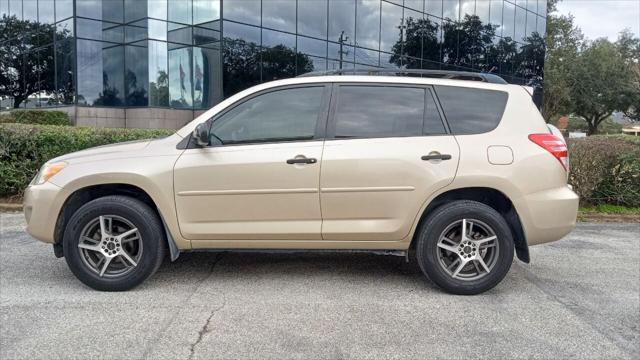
(436, 157)
(302, 160)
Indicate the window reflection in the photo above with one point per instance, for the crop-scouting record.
(521, 22)
(279, 15)
(391, 25)
(180, 78)
(100, 76)
(136, 79)
(508, 20)
(158, 74)
(342, 19)
(368, 24)
(450, 9)
(246, 11)
(433, 7)
(312, 18)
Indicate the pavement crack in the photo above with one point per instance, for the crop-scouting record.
(160, 335)
(205, 329)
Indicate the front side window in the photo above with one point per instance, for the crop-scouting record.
(384, 111)
(281, 115)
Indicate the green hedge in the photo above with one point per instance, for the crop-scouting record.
(606, 169)
(24, 148)
(41, 117)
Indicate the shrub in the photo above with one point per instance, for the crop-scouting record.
(606, 169)
(41, 117)
(24, 148)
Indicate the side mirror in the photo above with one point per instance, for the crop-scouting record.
(201, 134)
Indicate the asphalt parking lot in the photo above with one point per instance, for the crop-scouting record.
(579, 298)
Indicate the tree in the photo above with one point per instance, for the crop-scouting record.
(25, 69)
(562, 44)
(600, 82)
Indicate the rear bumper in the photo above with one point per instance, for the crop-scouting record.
(42, 204)
(547, 215)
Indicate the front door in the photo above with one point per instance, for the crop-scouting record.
(387, 151)
(259, 178)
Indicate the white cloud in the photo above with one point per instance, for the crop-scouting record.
(603, 18)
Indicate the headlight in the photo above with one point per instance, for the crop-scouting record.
(47, 171)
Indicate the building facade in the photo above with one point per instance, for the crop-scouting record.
(159, 63)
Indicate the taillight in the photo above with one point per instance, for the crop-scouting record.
(553, 144)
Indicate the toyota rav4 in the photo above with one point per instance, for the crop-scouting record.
(460, 174)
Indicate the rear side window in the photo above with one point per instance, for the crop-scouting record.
(471, 111)
(385, 111)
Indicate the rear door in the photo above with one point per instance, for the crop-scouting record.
(387, 151)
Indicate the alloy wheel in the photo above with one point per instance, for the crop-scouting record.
(468, 249)
(110, 245)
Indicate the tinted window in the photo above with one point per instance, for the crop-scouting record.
(289, 114)
(471, 111)
(379, 111)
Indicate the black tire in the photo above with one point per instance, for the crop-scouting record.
(428, 253)
(136, 212)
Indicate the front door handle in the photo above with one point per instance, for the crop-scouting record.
(302, 160)
(436, 157)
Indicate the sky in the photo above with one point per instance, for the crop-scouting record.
(603, 18)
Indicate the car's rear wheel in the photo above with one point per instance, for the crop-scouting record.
(465, 247)
(114, 243)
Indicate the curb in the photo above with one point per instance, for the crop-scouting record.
(5, 207)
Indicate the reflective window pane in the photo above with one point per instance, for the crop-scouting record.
(278, 62)
(246, 11)
(46, 11)
(158, 74)
(156, 9)
(495, 15)
(64, 9)
(430, 29)
(312, 18)
(157, 29)
(15, 8)
(241, 59)
(433, 7)
(467, 7)
(205, 11)
(233, 31)
(65, 88)
(542, 26)
(450, 9)
(136, 77)
(342, 19)
(136, 10)
(390, 28)
(521, 22)
(30, 10)
(531, 23)
(432, 122)
(180, 78)
(180, 11)
(312, 47)
(368, 24)
(542, 8)
(100, 75)
(282, 115)
(272, 38)
(367, 57)
(532, 5)
(482, 10)
(4, 7)
(207, 75)
(379, 111)
(279, 15)
(508, 20)
(415, 4)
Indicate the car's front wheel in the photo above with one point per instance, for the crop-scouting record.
(114, 243)
(465, 247)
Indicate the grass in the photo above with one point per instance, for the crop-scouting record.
(610, 209)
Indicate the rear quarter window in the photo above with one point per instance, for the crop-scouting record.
(471, 111)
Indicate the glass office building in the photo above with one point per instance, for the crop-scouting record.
(148, 58)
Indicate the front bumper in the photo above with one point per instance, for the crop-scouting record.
(42, 204)
(548, 215)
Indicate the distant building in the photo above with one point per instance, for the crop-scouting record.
(159, 63)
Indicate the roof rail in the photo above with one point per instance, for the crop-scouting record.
(441, 74)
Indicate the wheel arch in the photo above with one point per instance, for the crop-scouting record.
(488, 196)
(85, 194)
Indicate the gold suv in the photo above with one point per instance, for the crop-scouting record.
(461, 173)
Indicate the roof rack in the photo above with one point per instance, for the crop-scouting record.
(440, 74)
